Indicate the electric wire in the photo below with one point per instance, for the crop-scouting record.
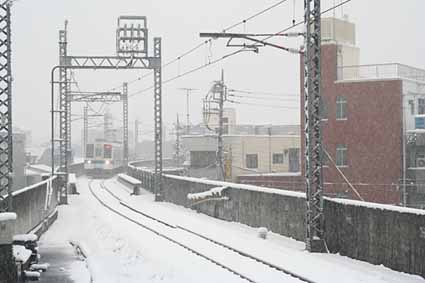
(234, 53)
(205, 42)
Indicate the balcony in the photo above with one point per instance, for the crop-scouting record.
(381, 71)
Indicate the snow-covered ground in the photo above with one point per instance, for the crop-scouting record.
(120, 251)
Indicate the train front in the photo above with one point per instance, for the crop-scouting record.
(99, 161)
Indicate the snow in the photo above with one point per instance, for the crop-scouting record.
(239, 186)
(278, 174)
(41, 167)
(25, 237)
(129, 179)
(21, 253)
(120, 251)
(373, 205)
(282, 251)
(32, 274)
(214, 192)
(7, 216)
(39, 266)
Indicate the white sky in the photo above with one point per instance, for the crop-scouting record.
(387, 31)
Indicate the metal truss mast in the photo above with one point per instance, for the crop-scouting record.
(5, 108)
(313, 134)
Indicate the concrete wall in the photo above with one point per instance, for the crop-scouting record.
(19, 161)
(380, 234)
(33, 204)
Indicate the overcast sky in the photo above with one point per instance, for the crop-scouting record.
(387, 31)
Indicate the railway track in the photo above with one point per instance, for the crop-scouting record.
(241, 264)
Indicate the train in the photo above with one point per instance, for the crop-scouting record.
(103, 159)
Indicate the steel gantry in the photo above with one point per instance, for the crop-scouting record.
(106, 97)
(5, 108)
(312, 98)
(132, 51)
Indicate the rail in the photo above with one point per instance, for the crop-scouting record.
(195, 234)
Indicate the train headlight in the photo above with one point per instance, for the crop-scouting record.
(107, 162)
(88, 161)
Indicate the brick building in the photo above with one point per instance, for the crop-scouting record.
(367, 112)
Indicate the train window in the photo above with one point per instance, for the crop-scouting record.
(99, 150)
(90, 150)
(107, 151)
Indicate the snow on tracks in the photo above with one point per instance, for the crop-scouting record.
(242, 264)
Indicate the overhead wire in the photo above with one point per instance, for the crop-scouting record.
(206, 42)
(234, 53)
(263, 105)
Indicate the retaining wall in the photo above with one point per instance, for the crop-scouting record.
(379, 234)
(33, 204)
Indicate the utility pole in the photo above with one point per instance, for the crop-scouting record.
(220, 152)
(269, 131)
(177, 130)
(6, 110)
(125, 123)
(136, 137)
(85, 130)
(188, 91)
(218, 89)
(107, 126)
(313, 135)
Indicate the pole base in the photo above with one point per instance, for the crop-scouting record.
(316, 246)
(159, 197)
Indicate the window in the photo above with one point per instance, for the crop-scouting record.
(107, 151)
(98, 150)
(277, 158)
(294, 159)
(341, 108)
(412, 107)
(251, 161)
(90, 150)
(421, 106)
(341, 155)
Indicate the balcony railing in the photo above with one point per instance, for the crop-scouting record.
(381, 71)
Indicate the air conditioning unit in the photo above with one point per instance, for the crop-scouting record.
(420, 162)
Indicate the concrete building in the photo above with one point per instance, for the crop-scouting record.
(368, 111)
(244, 154)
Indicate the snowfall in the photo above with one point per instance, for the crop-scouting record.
(118, 250)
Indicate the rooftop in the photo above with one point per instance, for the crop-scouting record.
(381, 71)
